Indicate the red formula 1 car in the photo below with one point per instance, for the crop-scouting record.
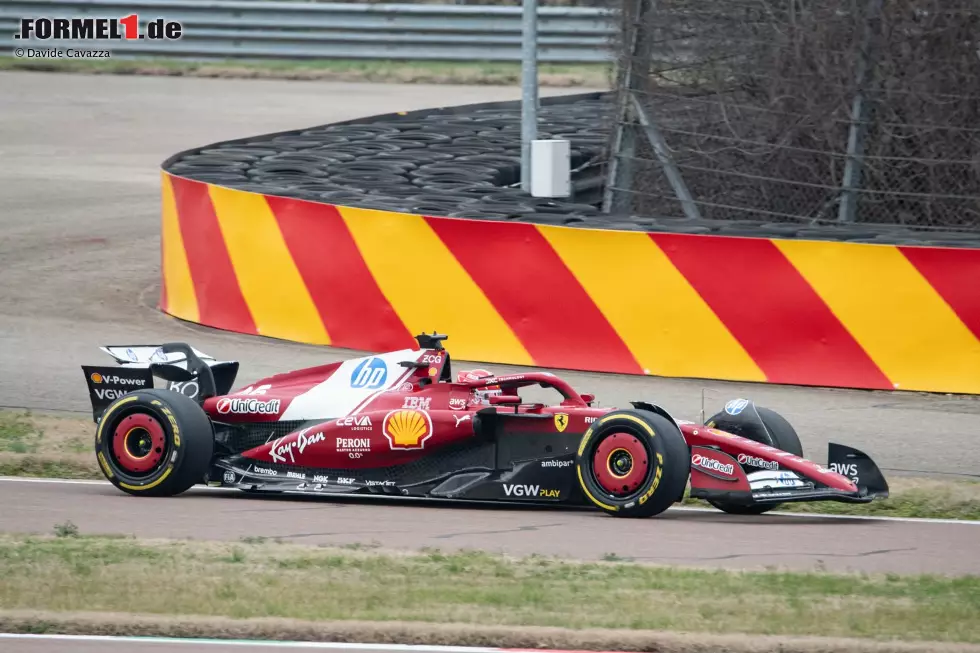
(400, 424)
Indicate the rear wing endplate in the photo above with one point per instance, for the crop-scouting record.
(178, 365)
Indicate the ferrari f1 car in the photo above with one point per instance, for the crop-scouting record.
(401, 424)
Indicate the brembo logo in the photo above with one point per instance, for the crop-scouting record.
(711, 464)
(248, 406)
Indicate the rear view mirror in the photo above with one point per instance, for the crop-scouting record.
(588, 398)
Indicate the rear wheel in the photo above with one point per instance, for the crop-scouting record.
(633, 463)
(154, 443)
(778, 433)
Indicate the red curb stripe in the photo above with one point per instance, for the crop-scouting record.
(766, 303)
(955, 275)
(219, 298)
(536, 294)
(355, 312)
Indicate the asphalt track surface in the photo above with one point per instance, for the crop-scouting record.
(689, 538)
(79, 268)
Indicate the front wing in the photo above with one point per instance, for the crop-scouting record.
(750, 486)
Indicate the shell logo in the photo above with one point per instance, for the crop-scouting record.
(96, 377)
(407, 429)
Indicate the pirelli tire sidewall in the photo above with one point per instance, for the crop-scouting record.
(668, 470)
(189, 439)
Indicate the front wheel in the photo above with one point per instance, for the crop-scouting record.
(772, 429)
(154, 443)
(633, 463)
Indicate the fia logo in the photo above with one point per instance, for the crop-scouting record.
(370, 374)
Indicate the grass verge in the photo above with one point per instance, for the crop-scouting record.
(46, 445)
(60, 447)
(264, 579)
(404, 72)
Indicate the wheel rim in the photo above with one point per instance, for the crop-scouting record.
(620, 464)
(138, 443)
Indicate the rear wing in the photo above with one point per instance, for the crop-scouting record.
(183, 369)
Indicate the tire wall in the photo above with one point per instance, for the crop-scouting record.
(745, 309)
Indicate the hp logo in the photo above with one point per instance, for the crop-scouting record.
(370, 374)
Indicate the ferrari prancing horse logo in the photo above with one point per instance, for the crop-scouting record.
(561, 421)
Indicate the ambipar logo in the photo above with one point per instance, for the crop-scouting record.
(557, 463)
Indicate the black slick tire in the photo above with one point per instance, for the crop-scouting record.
(667, 463)
(173, 437)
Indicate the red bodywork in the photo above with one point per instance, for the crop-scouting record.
(421, 410)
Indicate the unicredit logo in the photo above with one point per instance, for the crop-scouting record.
(745, 459)
(704, 462)
(248, 406)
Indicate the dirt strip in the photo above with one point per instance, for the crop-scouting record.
(395, 632)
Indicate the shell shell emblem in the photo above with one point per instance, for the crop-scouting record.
(96, 377)
(407, 428)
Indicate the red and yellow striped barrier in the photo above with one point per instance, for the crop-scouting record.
(746, 309)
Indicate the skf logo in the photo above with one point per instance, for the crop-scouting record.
(561, 421)
(407, 429)
(97, 29)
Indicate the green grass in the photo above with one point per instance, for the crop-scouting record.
(18, 434)
(910, 497)
(77, 572)
(432, 72)
(46, 446)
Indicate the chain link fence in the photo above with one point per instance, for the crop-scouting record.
(813, 111)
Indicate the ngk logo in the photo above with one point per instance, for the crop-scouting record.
(98, 29)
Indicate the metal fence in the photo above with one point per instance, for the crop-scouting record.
(244, 29)
(843, 112)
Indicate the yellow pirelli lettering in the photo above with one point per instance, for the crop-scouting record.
(109, 411)
(589, 494)
(105, 465)
(585, 441)
(632, 418)
(148, 486)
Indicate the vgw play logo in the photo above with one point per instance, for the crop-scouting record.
(370, 374)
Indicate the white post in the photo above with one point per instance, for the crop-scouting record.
(551, 168)
(529, 90)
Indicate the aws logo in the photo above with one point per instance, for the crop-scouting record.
(407, 428)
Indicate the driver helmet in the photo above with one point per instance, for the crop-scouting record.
(475, 375)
